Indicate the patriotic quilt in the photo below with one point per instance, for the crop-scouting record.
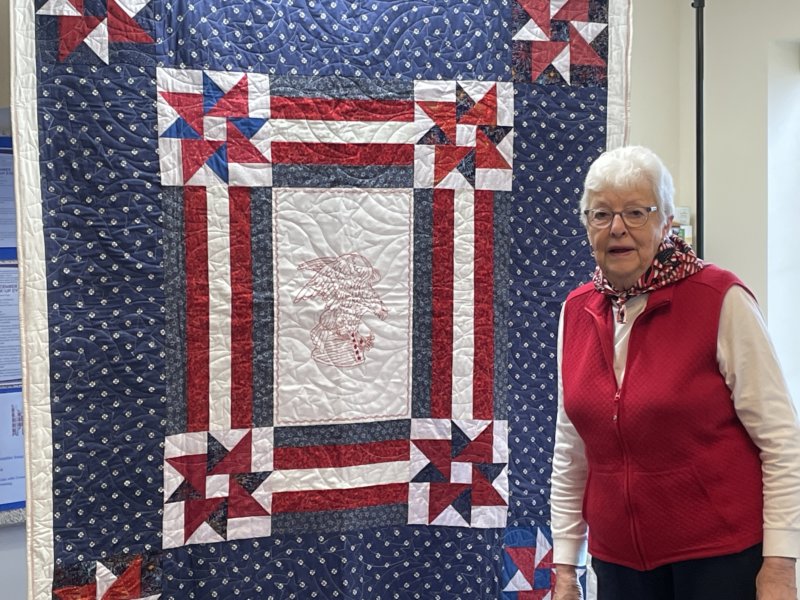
(290, 275)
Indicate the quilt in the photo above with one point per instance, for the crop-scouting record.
(291, 273)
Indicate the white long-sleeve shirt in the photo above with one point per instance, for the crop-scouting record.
(762, 402)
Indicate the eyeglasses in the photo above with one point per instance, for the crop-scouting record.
(633, 217)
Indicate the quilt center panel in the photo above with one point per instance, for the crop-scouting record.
(332, 301)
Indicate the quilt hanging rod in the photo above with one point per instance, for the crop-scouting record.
(699, 5)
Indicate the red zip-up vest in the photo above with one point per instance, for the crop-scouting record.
(673, 474)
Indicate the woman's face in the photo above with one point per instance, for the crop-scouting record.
(624, 254)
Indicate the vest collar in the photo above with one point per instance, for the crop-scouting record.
(599, 307)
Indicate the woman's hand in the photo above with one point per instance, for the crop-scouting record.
(567, 586)
(776, 579)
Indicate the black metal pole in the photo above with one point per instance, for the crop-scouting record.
(699, 5)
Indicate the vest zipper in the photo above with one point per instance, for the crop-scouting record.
(626, 466)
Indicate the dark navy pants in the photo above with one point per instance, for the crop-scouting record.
(729, 577)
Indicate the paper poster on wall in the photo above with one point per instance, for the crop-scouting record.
(8, 221)
(12, 460)
(10, 358)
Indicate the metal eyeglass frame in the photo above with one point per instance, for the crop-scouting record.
(648, 209)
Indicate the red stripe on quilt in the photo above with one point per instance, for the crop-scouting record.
(442, 326)
(241, 309)
(197, 306)
(320, 500)
(310, 153)
(341, 109)
(345, 455)
(483, 366)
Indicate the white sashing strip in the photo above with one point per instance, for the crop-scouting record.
(33, 303)
(619, 62)
(347, 132)
(463, 302)
(219, 309)
(338, 478)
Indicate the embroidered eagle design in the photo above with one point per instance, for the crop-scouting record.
(345, 283)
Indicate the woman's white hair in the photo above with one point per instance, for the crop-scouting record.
(625, 168)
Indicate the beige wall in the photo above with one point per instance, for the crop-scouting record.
(654, 81)
(783, 211)
(5, 53)
(739, 34)
(748, 59)
(738, 38)
(662, 109)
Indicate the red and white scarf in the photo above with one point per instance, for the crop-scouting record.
(674, 260)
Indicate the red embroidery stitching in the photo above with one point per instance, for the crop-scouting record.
(344, 283)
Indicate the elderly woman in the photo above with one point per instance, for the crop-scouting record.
(677, 445)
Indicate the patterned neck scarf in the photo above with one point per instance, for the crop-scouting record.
(673, 261)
